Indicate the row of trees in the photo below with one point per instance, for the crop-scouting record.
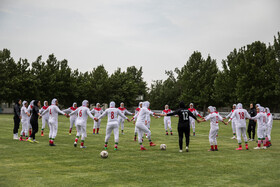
(248, 75)
(52, 78)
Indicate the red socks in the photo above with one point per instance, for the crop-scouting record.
(212, 147)
(259, 143)
(70, 130)
(82, 143)
(97, 130)
(93, 131)
(216, 147)
(76, 140)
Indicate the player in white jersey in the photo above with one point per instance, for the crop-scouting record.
(112, 123)
(240, 115)
(195, 113)
(269, 123)
(29, 109)
(24, 121)
(233, 125)
(45, 118)
(141, 117)
(167, 120)
(136, 111)
(97, 111)
(261, 120)
(81, 122)
(214, 127)
(124, 111)
(72, 117)
(53, 111)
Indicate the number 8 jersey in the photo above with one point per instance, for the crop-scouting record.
(112, 114)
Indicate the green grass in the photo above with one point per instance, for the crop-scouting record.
(23, 163)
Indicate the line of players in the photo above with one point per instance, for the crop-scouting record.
(116, 117)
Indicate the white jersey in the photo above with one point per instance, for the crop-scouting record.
(261, 119)
(83, 112)
(214, 119)
(167, 112)
(42, 110)
(141, 116)
(53, 111)
(240, 115)
(269, 120)
(148, 116)
(229, 115)
(97, 112)
(112, 114)
(23, 113)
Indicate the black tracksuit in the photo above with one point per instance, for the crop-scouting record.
(183, 124)
(16, 118)
(34, 121)
(252, 123)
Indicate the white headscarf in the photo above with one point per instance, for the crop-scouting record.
(258, 105)
(234, 105)
(140, 104)
(191, 104)
(112, 104)
(166, 106)
(84, 103)
(267, 109)
(239, 106)
(45, 103)
(74, 104)
(54, 101)
(97, 104)
(146, 104)
(23, 103)
(261, 109)
(214, 108)
(211, 109)
(32, 103)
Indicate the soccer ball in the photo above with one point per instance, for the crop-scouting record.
(104, 154)
(163, 147)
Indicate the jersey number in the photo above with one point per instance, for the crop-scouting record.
(80, 113)
(185, 115)
(217, 119)
(112, 115)
(241, 114)
(50, 111)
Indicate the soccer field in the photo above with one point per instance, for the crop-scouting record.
(27, 164)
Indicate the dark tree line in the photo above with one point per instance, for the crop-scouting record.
(55, 79)
(250, 74)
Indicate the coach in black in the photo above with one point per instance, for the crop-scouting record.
(16, 118)
(183, 124)
(252, 123)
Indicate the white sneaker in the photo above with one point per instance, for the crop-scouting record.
(82, 147)
(15, 137)
(257, 148)
(233, 137)
(75, 144)
(180, 151)
(264, 147)
(146, 136)
(252, 140)
(187, 149)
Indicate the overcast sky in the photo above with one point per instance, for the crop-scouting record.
(158, 35)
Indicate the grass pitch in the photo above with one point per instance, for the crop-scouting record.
(26, 164)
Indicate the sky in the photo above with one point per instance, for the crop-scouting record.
(157, 35)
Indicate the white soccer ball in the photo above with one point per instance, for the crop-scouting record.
(163, 147)
(104, 154)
